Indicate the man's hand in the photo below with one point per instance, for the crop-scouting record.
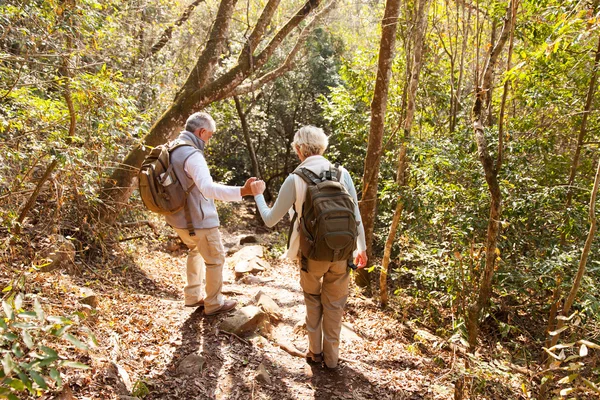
(361, 259)
(258, 187)
(246, 191)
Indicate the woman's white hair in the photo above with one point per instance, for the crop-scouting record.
(310, 141)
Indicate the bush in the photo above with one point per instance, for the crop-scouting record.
(28, 361)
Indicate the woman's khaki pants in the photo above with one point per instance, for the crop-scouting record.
(325, 286)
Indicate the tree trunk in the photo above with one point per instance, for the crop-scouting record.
(199, 90)
(584, 256)
(491, 177)
(580, 140)
(246, 132)
(419, 38)
(368, 203)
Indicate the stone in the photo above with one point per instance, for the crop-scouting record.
(248, 239)
(123, 375)
(191, 365)
(247, 253)
(265, 328)
(348, 334)
(60, 253)
(91, 301)
(262, 375)
(259, 341)
(300, 327)
(244, 321)
(269, 306)
(253, 280)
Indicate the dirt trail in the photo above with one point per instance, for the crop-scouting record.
(376, 362)
(145, 334)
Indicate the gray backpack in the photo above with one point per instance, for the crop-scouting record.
(328, 228)
(159, 187)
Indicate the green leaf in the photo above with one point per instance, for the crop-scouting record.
(9, 336)
(3, 324)
(7, 364)
(8, 311)
(7, 289)
(27, 315)
(37, 307)
(54, 374)
(26, 381)
(74, 364)
(568, 378)
(59, 332)
(76, 342)
(23, 325)
(16, 349)
(37, 378)
(49, 351)
(17, 384)
(27, 339)
(44, 362)
(59, 320)
(12, 397)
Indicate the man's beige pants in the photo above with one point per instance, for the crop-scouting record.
(206, 250)
(325, 286)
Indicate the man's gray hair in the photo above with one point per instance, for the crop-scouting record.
(200, 120)
(310, 141)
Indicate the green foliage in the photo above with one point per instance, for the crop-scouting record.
(27, 337)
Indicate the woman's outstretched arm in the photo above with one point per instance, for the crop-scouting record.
(285, 200)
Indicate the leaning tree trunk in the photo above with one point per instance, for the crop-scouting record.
(201, 88)
(368, 203)
(491, 177)
(419, 38)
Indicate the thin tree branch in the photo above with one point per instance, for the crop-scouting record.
(167, 33)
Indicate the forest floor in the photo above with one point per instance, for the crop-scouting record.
(144, 333)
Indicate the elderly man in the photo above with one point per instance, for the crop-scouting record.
(204, 241)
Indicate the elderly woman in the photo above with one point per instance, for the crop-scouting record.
(325, 283)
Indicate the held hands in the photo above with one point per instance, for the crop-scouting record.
(361, 259)
(246, 191)
(258, 187)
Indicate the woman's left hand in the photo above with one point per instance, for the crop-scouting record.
(258, 187)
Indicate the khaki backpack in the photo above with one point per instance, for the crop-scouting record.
(159, 187)
(328, 228)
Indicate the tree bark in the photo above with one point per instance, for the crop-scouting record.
(584, 256)
(491, 177)
(419, 39)
(368, 203)
(246, 132)
(199, 90)
(580, 139)
(34, 196)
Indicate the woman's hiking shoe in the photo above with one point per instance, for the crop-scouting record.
(314, 359)
(199, 303)
(228, 305)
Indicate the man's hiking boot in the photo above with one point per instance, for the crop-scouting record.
(228, 305)
(199, 303)
(314, 359)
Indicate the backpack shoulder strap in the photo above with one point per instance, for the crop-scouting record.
(336, 170)
(309, 177)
